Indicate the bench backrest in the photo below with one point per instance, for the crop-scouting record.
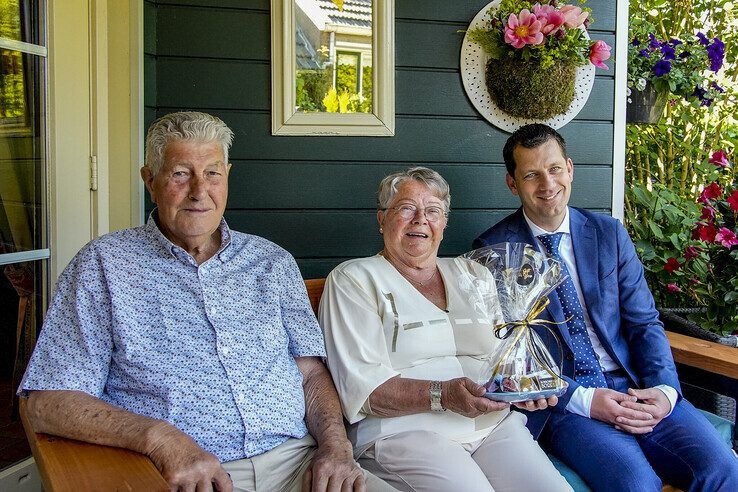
(314, 288)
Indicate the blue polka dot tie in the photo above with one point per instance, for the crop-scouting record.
(587, 371)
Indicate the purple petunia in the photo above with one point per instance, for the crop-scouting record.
(661, 67)
(667, 51)
(635, 42)
(645, 53)
(653, 43)
(716, 52)
(703, 39)
(675, 42)
(701, 94)
(717, 87)
(685, 54)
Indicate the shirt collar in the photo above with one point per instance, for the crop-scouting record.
(153, 229)
(537, 231)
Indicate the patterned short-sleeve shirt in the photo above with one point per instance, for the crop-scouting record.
(209, 348)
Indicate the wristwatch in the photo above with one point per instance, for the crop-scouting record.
(435, 397)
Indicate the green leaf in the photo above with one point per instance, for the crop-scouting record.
(655, 229)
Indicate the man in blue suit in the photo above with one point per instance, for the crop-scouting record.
(622, 424)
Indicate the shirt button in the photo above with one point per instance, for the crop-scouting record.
(226, 351)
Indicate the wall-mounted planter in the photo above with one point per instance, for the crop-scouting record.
(645, 106)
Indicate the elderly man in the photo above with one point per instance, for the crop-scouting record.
(622, 424)
(192, 343)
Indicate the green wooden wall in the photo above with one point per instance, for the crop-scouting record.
(315, 196)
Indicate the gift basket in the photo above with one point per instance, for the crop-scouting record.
(511, 282)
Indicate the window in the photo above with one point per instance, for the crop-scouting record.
(24, 249)
(333, 67)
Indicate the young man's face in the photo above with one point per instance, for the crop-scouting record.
(542, 180)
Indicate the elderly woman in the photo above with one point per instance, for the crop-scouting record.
(404, 345)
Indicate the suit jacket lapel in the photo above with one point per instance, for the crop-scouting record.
(584, 242)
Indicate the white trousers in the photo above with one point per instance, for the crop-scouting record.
(281, 469)
(508, 459)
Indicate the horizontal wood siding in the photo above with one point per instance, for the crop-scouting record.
(316, 196)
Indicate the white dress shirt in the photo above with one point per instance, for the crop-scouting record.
(581, 400)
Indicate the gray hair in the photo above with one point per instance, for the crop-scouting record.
(389, 185)
(185, 125)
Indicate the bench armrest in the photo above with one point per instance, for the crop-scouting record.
(709, 356)
(69, 465)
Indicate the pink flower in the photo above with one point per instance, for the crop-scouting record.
(598, 53)
(704, 232)
(708, 212)
(672, 264)
(575, 16)
(673, 287)
(691, 252)
(726, 237)
(720, 159)
(550, 18)
(522, 31)
(710, 193)
(733, 201)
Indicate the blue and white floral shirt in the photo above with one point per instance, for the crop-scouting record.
(209, 348)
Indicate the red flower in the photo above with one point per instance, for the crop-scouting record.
(733, 201)
(726, 237)
(704, 232)
(691, 252)
(710, 193)
(708, 212)
(720, 159)
(672, 264)
(673, 287)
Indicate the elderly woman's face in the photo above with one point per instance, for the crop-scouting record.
(417, 238)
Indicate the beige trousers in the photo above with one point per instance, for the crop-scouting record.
(282, 468)
(508, 459)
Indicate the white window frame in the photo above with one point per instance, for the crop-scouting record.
(287, 121)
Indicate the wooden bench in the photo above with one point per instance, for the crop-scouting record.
(69, 465)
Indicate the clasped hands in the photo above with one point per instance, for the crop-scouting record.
(637, 412)
(465, 397)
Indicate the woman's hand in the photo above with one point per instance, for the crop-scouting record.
(465, 397)
(540, 404)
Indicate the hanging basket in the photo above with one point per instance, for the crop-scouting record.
(645, 106)
(524, 90)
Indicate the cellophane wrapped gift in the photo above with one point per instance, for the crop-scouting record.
(512, 281)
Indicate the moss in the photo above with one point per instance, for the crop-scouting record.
(523, 90)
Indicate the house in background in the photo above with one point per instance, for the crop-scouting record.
(334, 50)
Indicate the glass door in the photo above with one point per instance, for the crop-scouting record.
(24, 248)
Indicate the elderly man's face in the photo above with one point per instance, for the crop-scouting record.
(190, 191)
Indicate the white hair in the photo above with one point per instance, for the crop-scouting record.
(434, 181)
(185, 125)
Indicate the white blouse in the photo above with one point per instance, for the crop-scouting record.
(378, 326)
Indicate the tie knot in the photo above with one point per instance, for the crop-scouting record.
(551, 242)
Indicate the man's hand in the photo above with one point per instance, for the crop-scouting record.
(650, 400)
(540, 404)
(465, 397)
(333, 469)
(607, 406)
(184, 465)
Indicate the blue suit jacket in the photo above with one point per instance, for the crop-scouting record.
(618, 300)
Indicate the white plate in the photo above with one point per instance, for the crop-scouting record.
(473, 65)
